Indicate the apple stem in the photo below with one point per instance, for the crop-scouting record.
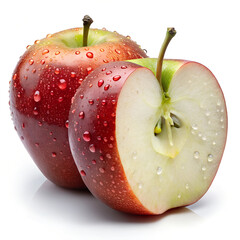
(87, 21)
(171, 32)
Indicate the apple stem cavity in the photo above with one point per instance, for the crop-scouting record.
(87, 21)
(171, 32)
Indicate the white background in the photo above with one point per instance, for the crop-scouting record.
(33, 208)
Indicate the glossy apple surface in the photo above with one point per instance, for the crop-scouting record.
(112, 135)
(43, 84)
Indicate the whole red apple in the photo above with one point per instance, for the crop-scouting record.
(43, 84)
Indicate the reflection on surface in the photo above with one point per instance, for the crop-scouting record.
(73, 206)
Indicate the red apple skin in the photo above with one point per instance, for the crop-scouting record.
(98, 159)
(43, 84)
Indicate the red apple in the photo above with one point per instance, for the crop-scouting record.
(146, 143)
(43, 84)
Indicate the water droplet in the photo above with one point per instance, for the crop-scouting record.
(105, 123)
(134, 155)
(28, 46)
(81, 96)
(203, 168)
(100, 82)
(45, 51)
(159, 171)
(34, 70)
(89, 70)
(117, 51)
(101, 170)
(81, 115)
(54, 139)
(92, 148)
(207, 113)
(14, 76)
(196, 154)
(105, 61)
(210, 158)
(214, 143)
(37, 96)
(128, 37)
(204, 138)
(54, 154)
(195, 127)
(37, 144)
(104, 102)
(31, 61)
(123, 67)
(57, 71)
(67, 124)
(77, 52)
(140, 186)
(49, 35)
(112, 168)
(91, 102)
(42, 61)
(57, 53)
(108, 155)
(35, 111)
(222, 119)
(94, 162)
(23, 125)
(60, 99)
(113, 101)
(89, 54)
(86, 136)
(106, 87)
(62, 84)
(101, 183)
(37, 41)
(179, 196)
(108, 72)
(82, 172)
(116, 78)
(73, 74)
(187, 186)
(101, 50)
(218, 103)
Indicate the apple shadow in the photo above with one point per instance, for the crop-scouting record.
(57, 203)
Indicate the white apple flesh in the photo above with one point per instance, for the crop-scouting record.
(175, 167)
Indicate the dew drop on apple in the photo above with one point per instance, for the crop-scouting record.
(94, 162)
(81, 115)
(73, 74)
(37, 96)
(86, 136)
(116, 77)
(67, 124)
(60, 99)
(117, 51)
(101, 170)
(31, 61)
(45, 51)
(105, 123)
(35, 111)
(62, 84)
(195, 127)
(112, 168)
(108, 72)
(104, 102)
(82, 172)
(159, 171)
(77, 52)
(92, 148)
(210, 158)
(54, 154)
(140, 186)
(213, 143)
(91, 102)
(106, 87)
(123, 67)
(89, 54)
(196, 154)
(187, 186)
(42, 61)
(100, 82)
(57, 53)
(204, 168)
(134, 155)
(89, 70)
(179, 196)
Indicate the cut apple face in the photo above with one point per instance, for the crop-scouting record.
(171, 143)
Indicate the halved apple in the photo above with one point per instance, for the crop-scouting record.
(142, 146)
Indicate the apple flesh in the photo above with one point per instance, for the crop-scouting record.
(42, 86)
(112, 134)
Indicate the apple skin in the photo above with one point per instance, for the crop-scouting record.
(98, 160)
(96, 154)
(43, 84)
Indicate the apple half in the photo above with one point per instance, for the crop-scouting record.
(144, 148)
